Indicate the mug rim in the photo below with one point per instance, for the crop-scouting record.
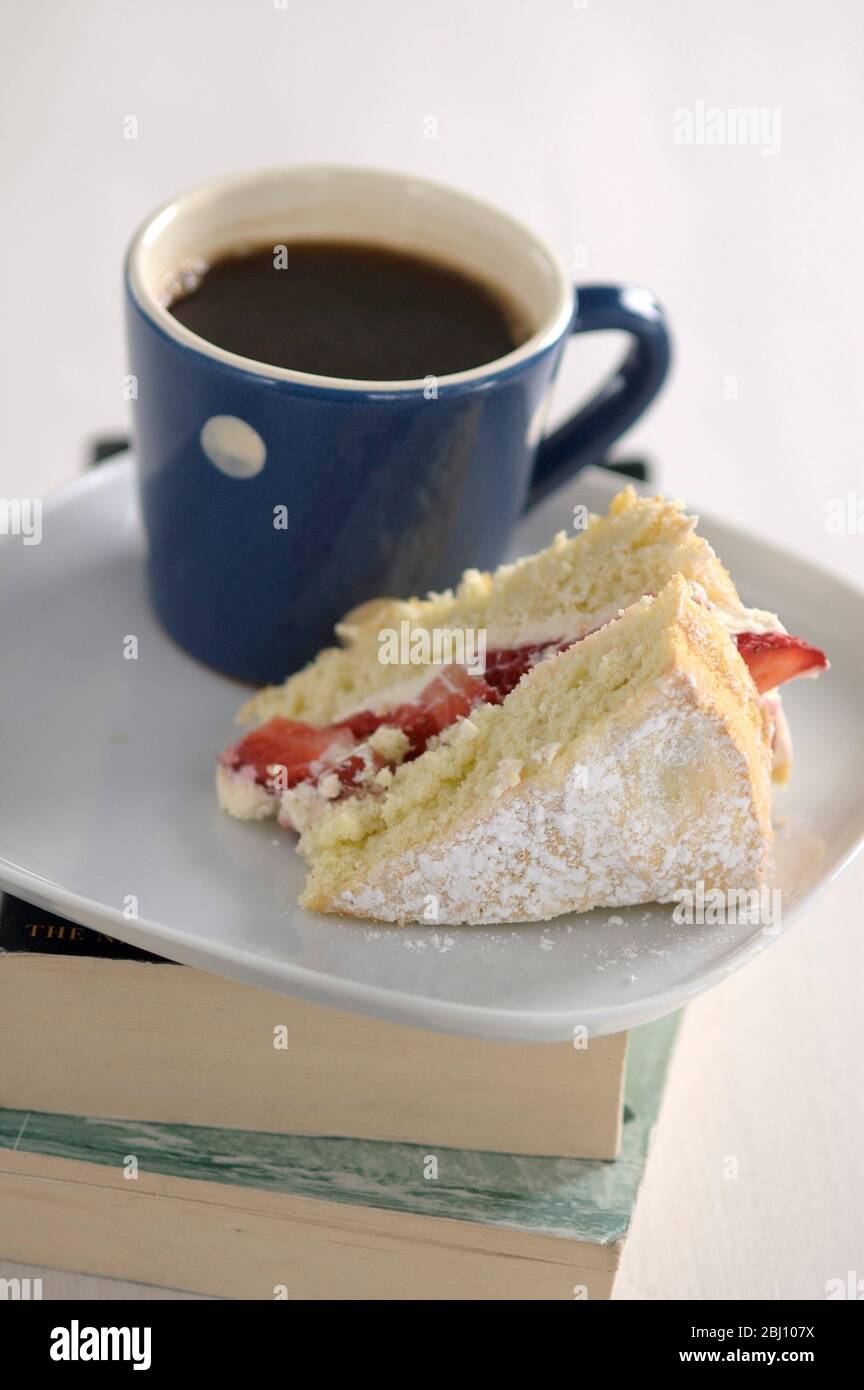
(550, 331)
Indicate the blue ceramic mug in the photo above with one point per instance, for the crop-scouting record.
(275, 500)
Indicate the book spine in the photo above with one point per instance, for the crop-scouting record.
(24, 928)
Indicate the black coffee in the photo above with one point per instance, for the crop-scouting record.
(349, 310)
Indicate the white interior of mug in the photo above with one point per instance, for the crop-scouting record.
(394, 210)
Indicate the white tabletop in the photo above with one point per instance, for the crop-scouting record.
(565, 114)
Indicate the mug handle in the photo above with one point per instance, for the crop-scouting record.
(622, 398)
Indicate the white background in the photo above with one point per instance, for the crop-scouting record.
(564, 115)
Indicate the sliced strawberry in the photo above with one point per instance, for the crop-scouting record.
(307, 753)
(453, 694)
(287, 743)
(358, 769)
(363, 723)
(775, 657)
(506, 666)
(415, 724)
(448, 697)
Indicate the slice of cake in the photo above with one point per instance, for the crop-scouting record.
(597, 727)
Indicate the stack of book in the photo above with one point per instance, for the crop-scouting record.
(167, 1126)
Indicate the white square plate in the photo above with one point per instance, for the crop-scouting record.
(106, 800)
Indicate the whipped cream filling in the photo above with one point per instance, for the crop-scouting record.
(756, 620)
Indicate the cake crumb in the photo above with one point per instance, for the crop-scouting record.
(547, 753)
(329, 786)
(391, 743)
(508, 774)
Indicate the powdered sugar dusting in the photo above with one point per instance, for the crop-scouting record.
(655, 809)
